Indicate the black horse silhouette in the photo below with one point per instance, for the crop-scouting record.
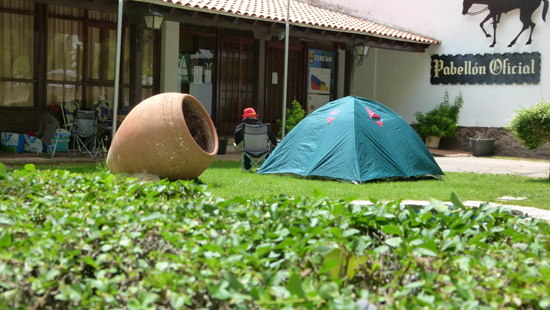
(497, 7)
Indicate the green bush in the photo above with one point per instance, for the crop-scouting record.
(442, 121)
(70, 241)
(294, 115)
(531, 125)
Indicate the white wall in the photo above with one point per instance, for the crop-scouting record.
(402, 79)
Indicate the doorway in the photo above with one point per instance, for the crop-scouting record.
(296, 87)
(237, 80)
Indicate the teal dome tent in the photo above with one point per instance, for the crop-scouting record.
(353, 139)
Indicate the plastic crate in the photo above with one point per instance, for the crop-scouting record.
(61, 146)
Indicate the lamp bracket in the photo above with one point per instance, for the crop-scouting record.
(360, 51)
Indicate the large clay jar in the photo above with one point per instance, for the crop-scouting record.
(169, 135)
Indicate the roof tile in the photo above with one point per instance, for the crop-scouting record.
(301, 14)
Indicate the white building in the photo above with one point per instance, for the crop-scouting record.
(402, 80)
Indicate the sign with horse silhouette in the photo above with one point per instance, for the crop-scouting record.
(497, 7)
(509, 68)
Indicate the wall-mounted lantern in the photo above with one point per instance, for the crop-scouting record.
(153, 20)
(278, 34)
(360, 51)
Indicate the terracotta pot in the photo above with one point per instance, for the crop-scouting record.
(432, 142)
(170, 135)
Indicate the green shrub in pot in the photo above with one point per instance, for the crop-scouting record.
(294, 115)
(442, 121)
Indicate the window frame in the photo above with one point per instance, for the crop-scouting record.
(34, 81)
(40, 81)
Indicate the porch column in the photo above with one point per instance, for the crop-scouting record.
(348, 79)
(169, 73)
(260, 77)
(341, 77)
(136, 63)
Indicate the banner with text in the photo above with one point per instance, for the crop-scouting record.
(321, 71)
(509, 68)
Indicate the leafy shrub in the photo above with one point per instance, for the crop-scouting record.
(294, 115)
(442, 121)
(531, 125)
(99, 241)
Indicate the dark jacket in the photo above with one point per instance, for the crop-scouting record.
(47, 128)
(251, 121)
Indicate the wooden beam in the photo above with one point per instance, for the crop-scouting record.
(165, 9)
(108, 6)
(396, 45)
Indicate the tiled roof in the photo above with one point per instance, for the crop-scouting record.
(300, 14)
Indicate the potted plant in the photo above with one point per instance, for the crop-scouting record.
(222, 145)
(294, 115)
(482, 145)
(441, 122)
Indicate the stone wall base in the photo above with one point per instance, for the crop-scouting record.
(505, 143)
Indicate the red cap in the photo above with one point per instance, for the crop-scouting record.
(249, 112)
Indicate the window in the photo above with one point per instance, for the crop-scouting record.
(64, 59)
(17, 82)
(148, 67)
(78, 55)
(101, 49)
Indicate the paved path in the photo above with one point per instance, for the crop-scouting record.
(495, 166)
(526, 212)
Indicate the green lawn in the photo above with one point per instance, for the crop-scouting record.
(226, 180)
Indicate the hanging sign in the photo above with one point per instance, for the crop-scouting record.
(183, 66)
(321, 71)
(509, 68)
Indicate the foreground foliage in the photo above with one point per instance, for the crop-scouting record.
(97, 241)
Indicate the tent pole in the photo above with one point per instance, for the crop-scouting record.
(117, 63)
(285, 82)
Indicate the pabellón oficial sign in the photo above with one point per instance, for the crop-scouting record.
(509, 68)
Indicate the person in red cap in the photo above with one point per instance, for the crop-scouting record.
(251, 118)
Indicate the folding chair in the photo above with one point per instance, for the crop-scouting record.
(256, 146)
(104, 123)
(67, 110)
(51, 133)
(103, 109)
(85, 135)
